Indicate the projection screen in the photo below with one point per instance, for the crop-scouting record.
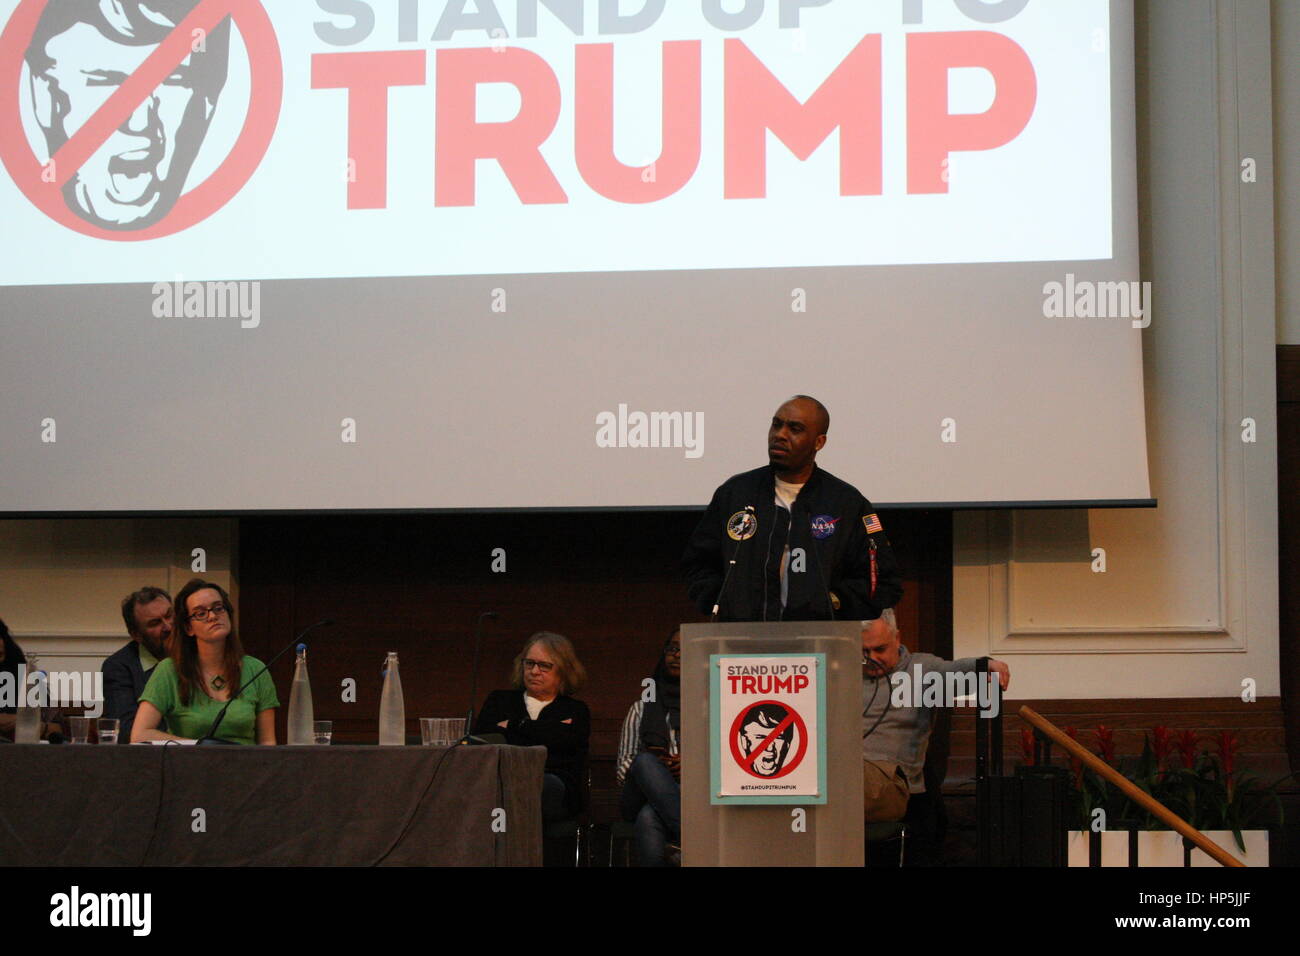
(476, 255)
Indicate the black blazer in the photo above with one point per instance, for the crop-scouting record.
(124, 680)
(566, 743)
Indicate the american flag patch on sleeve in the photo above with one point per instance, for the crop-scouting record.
(872, 524)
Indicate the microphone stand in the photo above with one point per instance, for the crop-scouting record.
(469, 737)
(210, 738)
(731, 566)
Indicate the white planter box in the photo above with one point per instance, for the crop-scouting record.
(1256, 847)
(1158, 848)
(1114, 848)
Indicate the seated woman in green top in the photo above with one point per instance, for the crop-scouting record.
(207, 665)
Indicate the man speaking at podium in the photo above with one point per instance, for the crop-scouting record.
(790, 541)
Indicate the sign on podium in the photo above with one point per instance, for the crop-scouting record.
(780, 782)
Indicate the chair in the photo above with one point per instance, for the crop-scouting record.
(883, 833)
(926, 820)
(621, 832)
(577, 829)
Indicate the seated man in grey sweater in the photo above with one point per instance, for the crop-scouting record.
(898, 705)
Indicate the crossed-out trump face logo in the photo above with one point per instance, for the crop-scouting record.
(769, 739)
(78, 56)
(760, 756)
(119, 97)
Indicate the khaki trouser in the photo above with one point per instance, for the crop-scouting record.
(884, 791)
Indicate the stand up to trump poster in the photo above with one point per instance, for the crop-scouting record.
(767, 728)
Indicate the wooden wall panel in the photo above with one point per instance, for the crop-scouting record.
(415, 584)
(1258, 726)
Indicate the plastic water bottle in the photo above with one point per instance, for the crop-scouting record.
(301, 715)
(392, 709)
(27, 720)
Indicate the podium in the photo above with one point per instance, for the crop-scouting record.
(779, 706)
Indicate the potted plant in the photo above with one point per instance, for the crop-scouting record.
(1205, 788)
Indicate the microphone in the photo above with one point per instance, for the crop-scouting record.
(750, 524)
(469, 737)
(210, 738)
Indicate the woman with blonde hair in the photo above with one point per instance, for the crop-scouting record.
(540, 710)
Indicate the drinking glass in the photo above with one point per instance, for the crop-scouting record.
(322, 731)
(108, 728)
(455, 729)
(80, 729)
(429, 731)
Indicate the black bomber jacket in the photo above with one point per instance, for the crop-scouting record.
(836, 542)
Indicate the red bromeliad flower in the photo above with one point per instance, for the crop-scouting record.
(1027, 746)
(1106, 743)
(1185, 741)
(1228, 747)
(1076, 765)
(1161, 744)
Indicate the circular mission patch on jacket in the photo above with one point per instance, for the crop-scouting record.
(742, 525)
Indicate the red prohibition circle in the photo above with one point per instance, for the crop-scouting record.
(799, 727)
(266, 93)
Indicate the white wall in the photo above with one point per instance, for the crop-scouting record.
(62, 580)
(1187, 606)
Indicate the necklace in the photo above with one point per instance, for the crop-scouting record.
(217, 682)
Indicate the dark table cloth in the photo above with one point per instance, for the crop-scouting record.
(270, 806)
